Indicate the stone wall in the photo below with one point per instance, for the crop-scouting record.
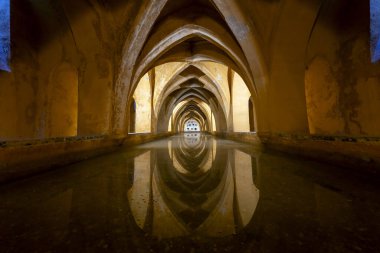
(74, 66)
(65, 55)
(359, 153)
(342, 84)
(25, 158)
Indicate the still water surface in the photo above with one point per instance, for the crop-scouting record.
(192, 193)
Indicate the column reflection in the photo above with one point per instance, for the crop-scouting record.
(195, 187)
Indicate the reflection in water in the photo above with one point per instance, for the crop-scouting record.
(192, 140)
(193, 188)
(191, 193)
(140, 192)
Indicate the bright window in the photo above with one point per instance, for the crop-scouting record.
(5, 35)
(375, 30)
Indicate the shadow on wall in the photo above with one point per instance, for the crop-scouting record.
(341, 78)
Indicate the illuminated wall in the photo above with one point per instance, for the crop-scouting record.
(143, 97)
(342, 86)
(63, 102)
(240, 107)
(213, 122)
(5, 40)
(170, 124)
(163, 74)
(219, 74)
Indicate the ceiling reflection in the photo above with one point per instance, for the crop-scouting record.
(193, 193)
(195, 187)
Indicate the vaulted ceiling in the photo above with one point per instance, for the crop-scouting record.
(191, 32)
(77, 63)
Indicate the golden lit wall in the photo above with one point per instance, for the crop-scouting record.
(219, 73)
(170, 124)
(142, 98)
(163, 74)
(342, 85)
(63, 102)
(213, 122)
(240, 107)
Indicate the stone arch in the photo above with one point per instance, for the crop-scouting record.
(182, 34)
(207, 82)
(138, 37)
(179, 96)
(191, 110)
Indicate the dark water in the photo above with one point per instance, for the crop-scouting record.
(192, 193)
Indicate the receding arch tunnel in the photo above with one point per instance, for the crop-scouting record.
(219, 90)
(189, 126)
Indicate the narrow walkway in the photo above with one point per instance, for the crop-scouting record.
(191, 193)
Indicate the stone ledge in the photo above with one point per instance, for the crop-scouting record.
(32, 142)
(139, 138)
(351, 152)
(20, 159)
(250, 137)
(356, 152)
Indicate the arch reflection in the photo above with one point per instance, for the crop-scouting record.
(195, 187)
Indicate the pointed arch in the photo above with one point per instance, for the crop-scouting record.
(249, 58)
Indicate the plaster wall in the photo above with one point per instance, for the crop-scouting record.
(207, 109)
(219, 72)
(163, 74)
(286, 105)
(240, 98)
(213, 122)
(170, 124)
(311, 66)
(46, 36)
(143, 98)
(92, 38)
(177, 107)
(63, 102)
(342, 84)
